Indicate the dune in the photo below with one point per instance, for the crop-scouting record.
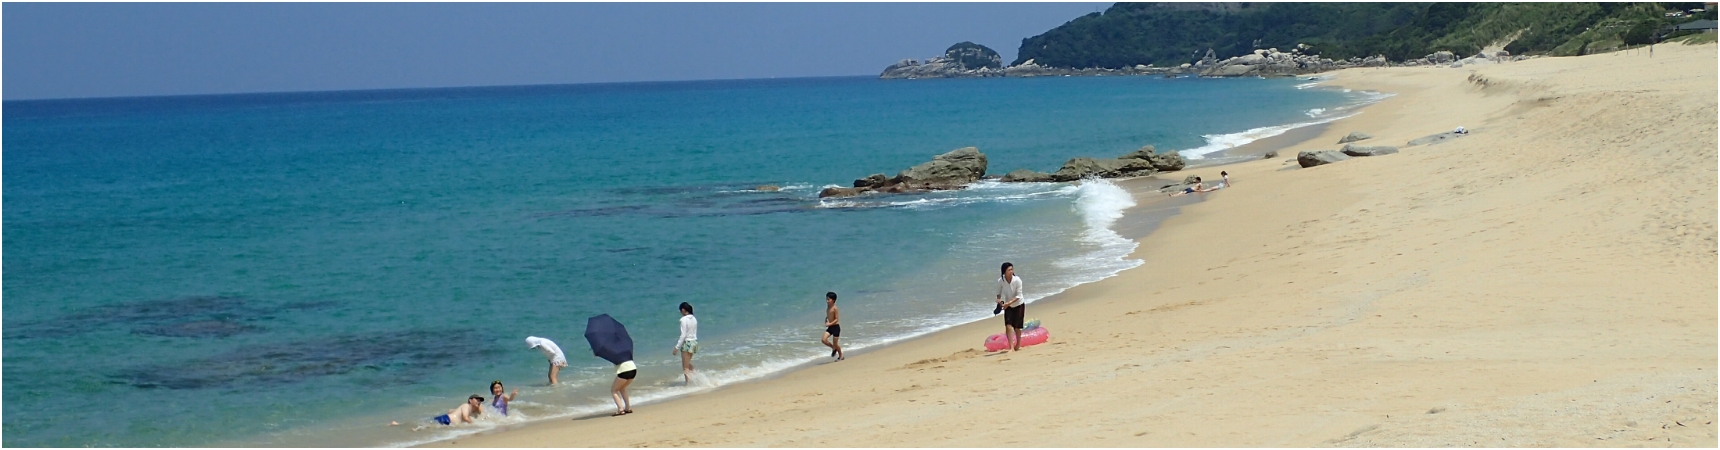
(1548, 279)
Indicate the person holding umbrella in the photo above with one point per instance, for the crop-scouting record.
(609, 340)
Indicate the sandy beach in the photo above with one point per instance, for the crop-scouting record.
(1547, 280)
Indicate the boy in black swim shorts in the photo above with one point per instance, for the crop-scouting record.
(832, 326)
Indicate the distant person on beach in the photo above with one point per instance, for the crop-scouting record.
(1014, 311)
(557, 359)
(832, 326)
(1226, 176)
(499, 401)
(688, 344)
(624, 374)
(463, 413)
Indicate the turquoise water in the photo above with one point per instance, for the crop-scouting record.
(302, 268)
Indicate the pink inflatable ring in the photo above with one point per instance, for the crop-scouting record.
(1034, 336)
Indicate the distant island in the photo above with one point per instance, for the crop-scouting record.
(1284, 39)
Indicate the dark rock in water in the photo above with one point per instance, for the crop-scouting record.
(840, 192)
(1270, 155)
(1436, 138)
(1353, 137)
(401, 356)
(1082, 167)
(199, 329)
(1146, 152)
(952, 170)
(1024, 175)
(872, 181)
(1319, 157)
(1354, 150)
(1169, 161)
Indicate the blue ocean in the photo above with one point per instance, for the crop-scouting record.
(301, 269)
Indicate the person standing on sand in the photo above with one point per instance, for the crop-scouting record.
(557, 359)
(832, 326)
(1014, 310)
(688, 344)
(624, 374)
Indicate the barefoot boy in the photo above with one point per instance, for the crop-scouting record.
(832, 326)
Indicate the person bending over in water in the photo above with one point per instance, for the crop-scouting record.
(688, 344)
(557, 359)
(500, 402)
(832, 327)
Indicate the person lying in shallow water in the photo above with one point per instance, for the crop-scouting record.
(460, 414)
(1197, 186)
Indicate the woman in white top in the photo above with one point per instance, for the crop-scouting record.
(688, 344)
(557, 359)
(1014, 308)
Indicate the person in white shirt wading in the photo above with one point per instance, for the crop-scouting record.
(557, 359)
(688, 344)
(1009, 298)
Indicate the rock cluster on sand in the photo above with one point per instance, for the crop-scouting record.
(1324, 157)
(1356, 150)
(1319, 157)
(1356, 136)
(953, 170)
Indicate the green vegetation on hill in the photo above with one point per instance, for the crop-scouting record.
(974, 56)
(1168, 34)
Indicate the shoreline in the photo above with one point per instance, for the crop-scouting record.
(1150, 211)
(1166, 352)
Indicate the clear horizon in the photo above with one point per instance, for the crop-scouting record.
(83, 51)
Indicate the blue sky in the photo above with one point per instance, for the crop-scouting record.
(60, 50)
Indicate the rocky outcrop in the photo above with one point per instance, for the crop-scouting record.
(962, 60)
(968, 60)
(1319, 158)
(1356, 136)
(1271, 62)
(872, 181)
(1024, 175)
(1355, 150)
(953, 170)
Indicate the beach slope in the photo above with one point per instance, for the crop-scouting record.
(1547, 280)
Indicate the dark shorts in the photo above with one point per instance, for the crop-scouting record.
(1013, 316)
(834, 330)
(443, 419)
(628, 375)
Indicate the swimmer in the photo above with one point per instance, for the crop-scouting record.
(500, 402)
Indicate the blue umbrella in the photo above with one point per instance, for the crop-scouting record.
(609, 340)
